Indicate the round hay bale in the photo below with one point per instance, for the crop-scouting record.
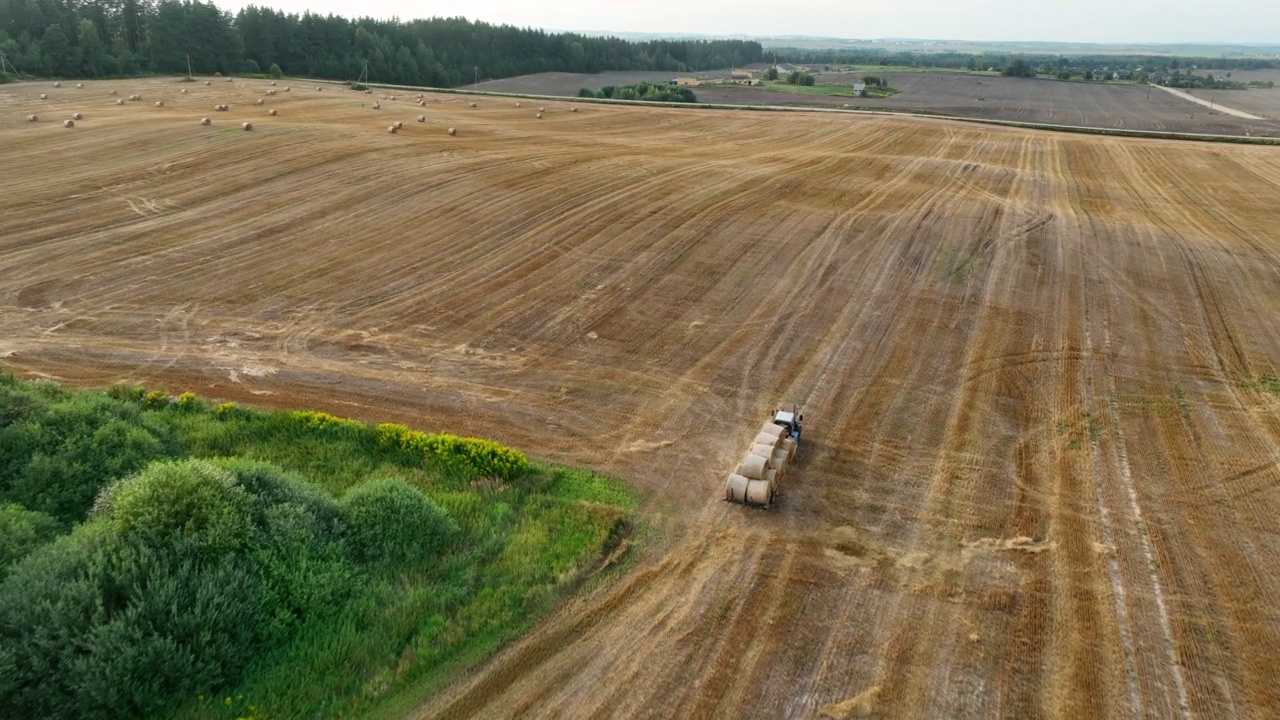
(368, 92)
(738, 470)
(774, 430)
(754, 467)
(393, 97)
(119, 102)
(273, 83)
(766, 439)
(44, 96)
(399, 125)
(539, 116)
(773, 477)
(764, 451)
(231, 79)
(384, 97)
(271, 92)
(259, 101)
(159, 103)
(217, 74)
(286, 89)
(184, 91)
(573, 109)
(780, 459)
(789, 445)
(33, 118)
(57, 84)
(271, 112)
(542, 109)
(113, 92)
(207, 83)
(68, 123)
(453, 131)
(517, 104)
(377, 106)
(422, 118)
(319, 89)
(246, 126)
(735, 489)
(392, 129)
(79, 86)
(77, 116)
(473, 104)
(206, 121)
(759, 492)
(422, 103)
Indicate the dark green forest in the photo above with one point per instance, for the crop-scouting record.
(108, 38)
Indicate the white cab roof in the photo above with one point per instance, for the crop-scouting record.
(784, 416)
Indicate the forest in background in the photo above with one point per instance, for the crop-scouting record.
(112, 38)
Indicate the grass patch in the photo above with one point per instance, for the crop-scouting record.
(332, 567)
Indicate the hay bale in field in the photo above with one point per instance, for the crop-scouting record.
(271, 92)
(399, 125)
(119, 102)
(246, 126)
(184, 91)
(377, 106)
(77, 116)
(517, 104)
(392, 129)
(57, 84)
(286, 89)
(368, 92)
(573, 109)
(206, 121)
(79, 86)
(231, 79)
(44, 96)
(473, 104)
(207, 83)
(542, 109)
(113, 92)
(539, 116)
(453, 131)
(319, 89)
(33, 118)
(764, 451)
(271, 112)
(217, 74)
(273, 83)
(135, 98)
(754, 467)
(393, 97)
(68, 123)
(259, 101)
(759, 492)
(735, 488)
(422, 118)
(159, 103)
(422, 103)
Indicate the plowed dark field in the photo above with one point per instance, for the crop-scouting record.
(1040, 471)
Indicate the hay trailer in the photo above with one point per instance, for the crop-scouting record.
(756, 479)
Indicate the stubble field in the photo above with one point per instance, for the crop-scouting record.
(1039, 476)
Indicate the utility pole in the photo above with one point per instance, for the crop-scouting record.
(476, 80)
(189, 66)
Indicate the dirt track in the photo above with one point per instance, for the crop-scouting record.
(1038, 477)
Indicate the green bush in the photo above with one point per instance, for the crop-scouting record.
(21, 531)
(586, 93)
(391, 522)
(275, 72)
(186, 500)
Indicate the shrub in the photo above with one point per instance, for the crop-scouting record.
(189, 402)
(275, 72)
(392, 522)
(188, 500)
(22, 531)
(156, 399)
(586, 93)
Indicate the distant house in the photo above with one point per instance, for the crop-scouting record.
(739, 74)
(859, 89)
(685, 81)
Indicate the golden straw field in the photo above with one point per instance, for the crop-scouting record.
(1039, 474)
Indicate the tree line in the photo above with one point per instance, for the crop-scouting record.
(110, 38)
(984, 61)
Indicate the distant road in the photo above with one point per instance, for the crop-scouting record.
(1208, 104)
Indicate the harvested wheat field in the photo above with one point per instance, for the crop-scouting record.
(1039, 476)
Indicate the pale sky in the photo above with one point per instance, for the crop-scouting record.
(1219, 21)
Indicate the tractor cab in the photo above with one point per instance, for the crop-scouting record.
(789, 420)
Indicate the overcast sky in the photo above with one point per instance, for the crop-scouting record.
(1219, 21)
